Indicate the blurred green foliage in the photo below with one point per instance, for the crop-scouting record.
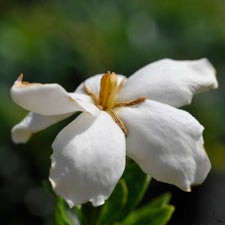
(66, 42)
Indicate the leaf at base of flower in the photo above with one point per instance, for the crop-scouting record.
(127, 194)
(114, 205)
(137, 183)
(63, 215)
(158, 212)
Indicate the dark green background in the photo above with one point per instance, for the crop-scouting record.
(66, 42)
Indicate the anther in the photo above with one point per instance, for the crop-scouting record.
(131, 103)
(118, 121)
(89, 92)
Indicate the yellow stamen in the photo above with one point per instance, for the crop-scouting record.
(89, 92)
(108, 91)
(118, 121)
(130, 103)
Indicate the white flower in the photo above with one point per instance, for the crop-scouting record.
(134, 117)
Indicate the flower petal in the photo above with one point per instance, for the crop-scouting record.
(85, 102)
(88, 159)
(171, 82)
(44, 99)
(93, 83)
(166, 142)
(33, 123)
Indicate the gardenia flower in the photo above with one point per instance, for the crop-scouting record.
(137, 117)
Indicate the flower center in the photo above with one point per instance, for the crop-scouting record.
(107, 99)
(108, 91)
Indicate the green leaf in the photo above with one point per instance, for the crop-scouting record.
(149, 216)
(158, 212)
(161, 201)
(137, 183)
(62, 214)
(113, 206)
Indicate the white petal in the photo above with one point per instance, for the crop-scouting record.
(171, 82)
(44, 99)
(33, 123)
(88, 159)
(85, 102)
(93, 83)
(167, 143)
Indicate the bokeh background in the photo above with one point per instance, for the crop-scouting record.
(66, 42)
